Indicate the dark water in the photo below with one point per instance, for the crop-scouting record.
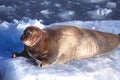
(51, 11)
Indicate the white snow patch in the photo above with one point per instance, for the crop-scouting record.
(45, 3)
(57, 5)
(100, 13)
(46, 12)
(111, 5)
(68, 14)
(6, 9)
(4, 25)
(23, 25)
(94, 1)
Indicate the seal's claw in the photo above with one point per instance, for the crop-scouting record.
(14, 55)
(41, 64)
(38, 63)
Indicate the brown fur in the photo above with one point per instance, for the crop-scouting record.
(62, 43)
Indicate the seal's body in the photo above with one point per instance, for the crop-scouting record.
(62, 43)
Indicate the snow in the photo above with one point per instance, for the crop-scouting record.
(51, 11)
(100, 13)
(66, 15)
(111, 5)
(23, 24)
(97, 68)
(8, 10)
(94, 1)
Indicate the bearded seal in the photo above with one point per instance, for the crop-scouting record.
(62, 43)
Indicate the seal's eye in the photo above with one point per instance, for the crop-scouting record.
(28, 33)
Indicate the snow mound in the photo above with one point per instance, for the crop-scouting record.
(100, 13)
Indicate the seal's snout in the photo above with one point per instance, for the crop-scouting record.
(22, 37)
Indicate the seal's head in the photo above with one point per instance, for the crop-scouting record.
(31, 36)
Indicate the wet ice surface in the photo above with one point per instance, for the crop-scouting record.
(96, 68)
(51, 11)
